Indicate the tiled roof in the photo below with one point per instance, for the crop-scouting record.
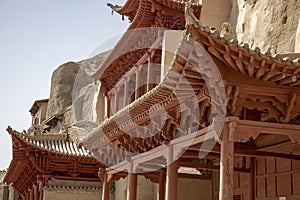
(56, 143)
(132, 5)
(34, 108)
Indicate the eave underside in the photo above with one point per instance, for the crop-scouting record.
(152, 17)
(29, 163)
(269, 98)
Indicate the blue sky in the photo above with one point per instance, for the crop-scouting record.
(36, 36)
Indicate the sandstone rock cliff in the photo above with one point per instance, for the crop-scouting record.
(273, 25)
(61, 88)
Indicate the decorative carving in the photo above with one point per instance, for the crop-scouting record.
(170, 20)
(274, 107)
(290, 104)
(227, 31)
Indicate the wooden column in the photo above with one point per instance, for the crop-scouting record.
(172, 175)
(35, 192)
(252, 179)
(226, 166)
(31, 195)
(126, 91)
(161, 185)
(40, 187)
(150, 75)
(27, 196)
(132, 186)
(172, 179)
(138, 83)
(106, 188)
(116, 100)
(108, 109)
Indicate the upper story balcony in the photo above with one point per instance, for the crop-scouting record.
(148, 72)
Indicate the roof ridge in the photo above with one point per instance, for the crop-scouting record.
(60, 145)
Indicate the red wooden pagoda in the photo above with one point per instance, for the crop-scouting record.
(255, 147)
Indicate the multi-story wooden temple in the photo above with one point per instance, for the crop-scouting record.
(182, 95)
(183, 105)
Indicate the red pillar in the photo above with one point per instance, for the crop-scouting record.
(132, 186)
(172, 180)
(106, 188)
(27, 195)
(31, 195)
(226, 166)
(35, 192)
(161, 185)
(40, 187)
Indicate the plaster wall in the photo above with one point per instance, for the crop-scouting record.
(74, 194)
(193, 189)
(58, 189)
(121, 189)
(146, 189)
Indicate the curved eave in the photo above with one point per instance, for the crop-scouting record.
(23, 169)
(129, 7)
(14, 174)
(143, 18)
(58, 146)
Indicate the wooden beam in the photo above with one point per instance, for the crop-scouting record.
(266, 154)
(194, 176)
(226, 166)
(197, 154)
(194, 164)
(243, 150)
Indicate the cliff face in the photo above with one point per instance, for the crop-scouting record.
(267, 24)
(62, 82)
(261, 23)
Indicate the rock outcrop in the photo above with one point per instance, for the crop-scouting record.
(273, 25)
(269, 24)
(62, 83)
